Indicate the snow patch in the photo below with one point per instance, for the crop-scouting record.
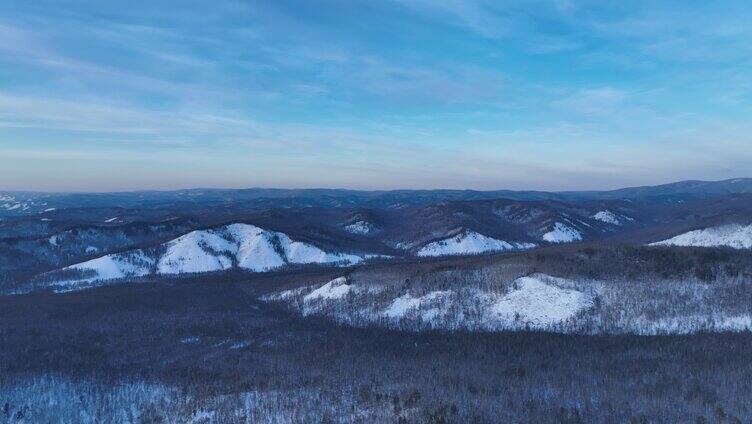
(608, 217)
(562, 234)
(283, 295)
(401, 306)
(335, 289)
(239, 345)
(360, 227)
(429, 311)
(538, 303)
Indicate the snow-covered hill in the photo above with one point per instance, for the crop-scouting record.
(120, 265)
(469, 243)
(607, 216)
(561, 233)
(232, 246)
(734, 235)
(533, 302)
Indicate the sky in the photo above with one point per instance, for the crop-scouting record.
(376, 94)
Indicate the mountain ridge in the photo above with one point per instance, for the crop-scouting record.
(14, 203)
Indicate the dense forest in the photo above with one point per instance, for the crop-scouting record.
(207, 350)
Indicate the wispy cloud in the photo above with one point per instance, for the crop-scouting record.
(471, 93)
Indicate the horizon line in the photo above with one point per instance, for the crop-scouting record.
(52, 192)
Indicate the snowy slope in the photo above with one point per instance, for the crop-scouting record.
(561, 233)
(537, 302)
(319, 298)
(132, 264)
(735, 236)
(469, 243)
(237, 245)
(428, 307)
(401, 306)
(608, 217)
(197, 251)
(335, 289)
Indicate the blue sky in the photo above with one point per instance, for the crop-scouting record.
(373, 94)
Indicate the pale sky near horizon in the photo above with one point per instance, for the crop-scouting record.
(544, 95)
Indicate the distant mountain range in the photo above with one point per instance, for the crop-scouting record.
(25, 203)
(125, 235)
